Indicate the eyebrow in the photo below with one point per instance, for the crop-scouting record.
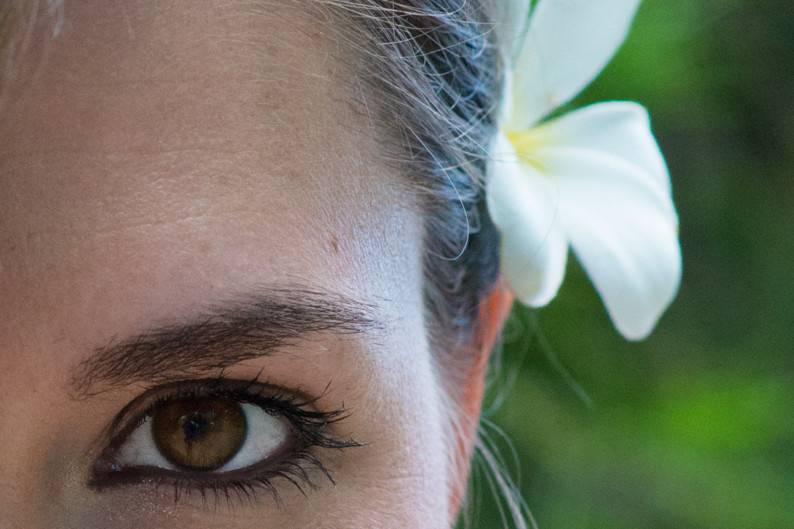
(229, 332)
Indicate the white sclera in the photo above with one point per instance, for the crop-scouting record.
(265, 435)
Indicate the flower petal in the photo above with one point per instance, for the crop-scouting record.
(511, 20)
(524, 208)
(623, 228)
(620, 128)
(567, 45)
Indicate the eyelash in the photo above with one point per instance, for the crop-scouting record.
(309, 426)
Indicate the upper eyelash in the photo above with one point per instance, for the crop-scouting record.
(309, 424)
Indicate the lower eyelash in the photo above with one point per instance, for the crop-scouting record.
(297, 471)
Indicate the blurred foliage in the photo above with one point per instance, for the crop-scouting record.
(693, 428)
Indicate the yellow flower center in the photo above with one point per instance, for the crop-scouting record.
(527, 143)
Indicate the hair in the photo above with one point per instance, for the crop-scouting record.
(434, 73)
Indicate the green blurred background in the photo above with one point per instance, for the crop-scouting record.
(693, 428)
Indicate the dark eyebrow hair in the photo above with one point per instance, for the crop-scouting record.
(227, 333)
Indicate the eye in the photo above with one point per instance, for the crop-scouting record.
(205, 434)
(226, 436)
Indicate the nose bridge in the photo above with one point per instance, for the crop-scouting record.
(18, 486)
(24, 441)
(41, 426)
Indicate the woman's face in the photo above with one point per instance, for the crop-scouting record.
(190, 192)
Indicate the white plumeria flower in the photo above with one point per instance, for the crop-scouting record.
(593, 179)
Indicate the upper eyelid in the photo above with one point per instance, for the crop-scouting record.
(123, 422)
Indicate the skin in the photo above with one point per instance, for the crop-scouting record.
(169, 155)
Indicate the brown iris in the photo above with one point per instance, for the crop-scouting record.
(201, 433)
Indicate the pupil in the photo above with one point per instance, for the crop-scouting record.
(195, 426)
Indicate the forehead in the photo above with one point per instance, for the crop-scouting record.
(165, 154)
